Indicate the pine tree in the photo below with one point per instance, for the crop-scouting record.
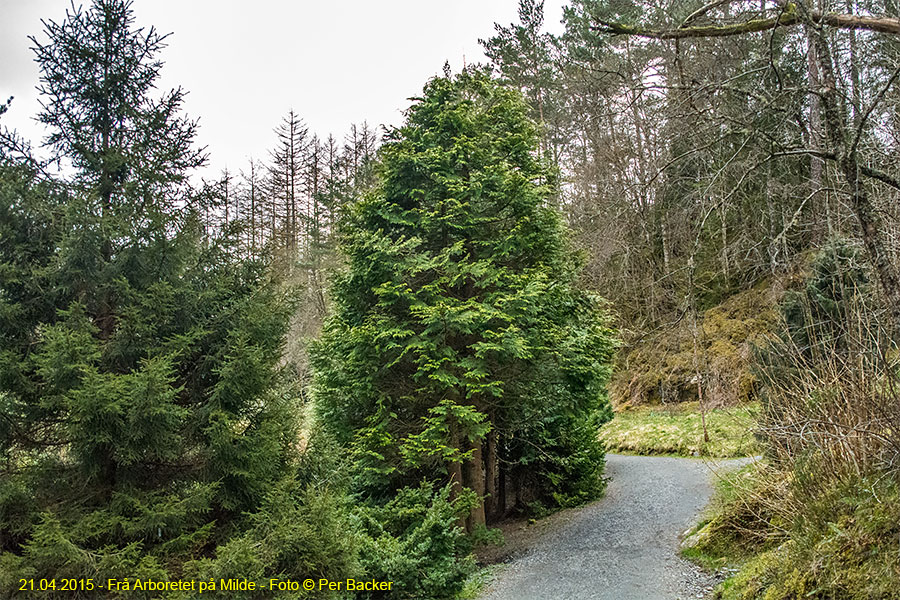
(525, 57)
(137, 362)
(460, 348)
(286, 185)
(359, 156)
(253, 202)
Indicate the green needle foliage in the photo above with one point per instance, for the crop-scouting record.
(460, 348)
(138, 420)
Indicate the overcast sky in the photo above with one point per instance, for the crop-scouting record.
(246, 62)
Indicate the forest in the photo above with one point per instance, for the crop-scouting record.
(371, 357)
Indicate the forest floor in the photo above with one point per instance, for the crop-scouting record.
(677, 430)
(622, 547)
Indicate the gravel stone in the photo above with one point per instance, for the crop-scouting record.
(624, 546)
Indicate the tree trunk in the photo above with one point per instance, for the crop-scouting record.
(107, 469)
(490, 476)
(501, 488)
(252, 210)
(869, 221)
(518, 484)
(816, 163)
(456, 474)
(723, 232)
(474, 480)
(855, 90)
(664, 232)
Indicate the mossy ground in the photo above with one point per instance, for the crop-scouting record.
(841, 543)
(678, 430)
(739, 523)
(478, 581)
(663, 366)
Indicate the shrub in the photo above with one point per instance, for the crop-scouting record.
(842, 545)
(416, 541)
(299, 532)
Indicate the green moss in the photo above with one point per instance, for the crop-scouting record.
(678, 430)
(663, 367)
(844, 543)
(740, 521)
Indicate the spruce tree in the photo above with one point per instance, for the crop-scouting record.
(460, 348)
(286, 187)
(137, 360)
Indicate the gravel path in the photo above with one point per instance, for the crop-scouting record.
(625, 546)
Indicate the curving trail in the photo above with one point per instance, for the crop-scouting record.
(624, 546)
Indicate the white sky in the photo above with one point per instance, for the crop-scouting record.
(245, 63)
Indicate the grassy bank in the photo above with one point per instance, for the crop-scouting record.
(678, 430)
(738, 523)
(782, 540)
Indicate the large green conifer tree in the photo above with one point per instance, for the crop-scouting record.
(137, 360)
(460, 348)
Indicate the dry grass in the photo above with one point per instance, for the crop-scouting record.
(678, 430)
(830, 404)
(823, 521)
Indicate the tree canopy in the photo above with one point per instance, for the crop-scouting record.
(138, 360)
(460, 348)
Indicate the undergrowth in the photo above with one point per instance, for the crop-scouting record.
(841, 544)
(662, 367)
(740, 521)
(823, 521)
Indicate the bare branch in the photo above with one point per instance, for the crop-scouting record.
(880, 176)
(878, 98)
(869, 172)
(787, 18)
(703, 10)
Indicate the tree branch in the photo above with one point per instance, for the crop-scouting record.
(869, 172)
(878, 98)
(703, 10)
(880, 176)
(788, 18)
